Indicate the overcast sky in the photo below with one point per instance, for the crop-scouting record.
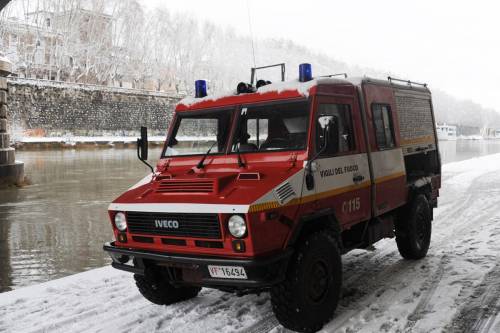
(452, 45)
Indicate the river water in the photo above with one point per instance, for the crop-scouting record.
(56, 227)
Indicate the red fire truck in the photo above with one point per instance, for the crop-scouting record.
(265, 188)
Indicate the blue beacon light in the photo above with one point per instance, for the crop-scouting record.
(200, 88)
(305, 72)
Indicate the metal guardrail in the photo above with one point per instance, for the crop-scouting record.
(90, 86)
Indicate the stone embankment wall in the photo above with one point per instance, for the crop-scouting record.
(11, 171)
(47, 109)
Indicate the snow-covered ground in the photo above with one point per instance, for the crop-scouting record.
(456, 288)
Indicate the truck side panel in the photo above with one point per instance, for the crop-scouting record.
(342, 179)
(418, 134)
(389, 181)
(416, 124)
(419, 138)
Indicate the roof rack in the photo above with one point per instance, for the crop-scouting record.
(406, 81)
(337, 74)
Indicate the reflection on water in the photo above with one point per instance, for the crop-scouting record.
(454, 151)
(57, 226)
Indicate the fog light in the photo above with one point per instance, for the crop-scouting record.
(239, 245)
(122, 238)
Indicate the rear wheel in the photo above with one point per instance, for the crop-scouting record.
(413, 229)
(308, 297)
(156, 288)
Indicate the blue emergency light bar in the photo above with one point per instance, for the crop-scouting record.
(200, 88)
(305, 72)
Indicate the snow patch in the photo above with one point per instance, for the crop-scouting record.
(4, 59)
(279, 87)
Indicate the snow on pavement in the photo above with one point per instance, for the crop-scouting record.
(455, 288)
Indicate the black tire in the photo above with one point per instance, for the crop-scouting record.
(160, 291)
(309, 295)
(414, 228)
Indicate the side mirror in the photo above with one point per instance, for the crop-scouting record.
(142, 144)
(142, 148)
(326, 123)
(309, 180)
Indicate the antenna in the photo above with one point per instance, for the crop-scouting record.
(251, 32)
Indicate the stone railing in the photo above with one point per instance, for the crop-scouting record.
(11, 171)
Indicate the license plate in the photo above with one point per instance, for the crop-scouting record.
(227, 272)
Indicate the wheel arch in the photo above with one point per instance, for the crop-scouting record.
(324, 219)
(421, 186)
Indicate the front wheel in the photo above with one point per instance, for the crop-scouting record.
(413, 229)
(156, 288)
(308, 297)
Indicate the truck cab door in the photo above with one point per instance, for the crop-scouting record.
(341, 171)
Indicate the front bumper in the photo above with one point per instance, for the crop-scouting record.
(183, 269)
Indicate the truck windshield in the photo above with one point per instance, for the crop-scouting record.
(195, 133)
(272, 127)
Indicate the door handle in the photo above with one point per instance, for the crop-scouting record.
(357, 178)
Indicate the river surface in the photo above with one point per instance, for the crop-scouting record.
(56, 227)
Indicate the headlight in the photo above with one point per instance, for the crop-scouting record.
(120, 221)
(237, 226)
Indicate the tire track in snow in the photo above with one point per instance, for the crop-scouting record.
(267, 324)
(479, 313)
(431, 285)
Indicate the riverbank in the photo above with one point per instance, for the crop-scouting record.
(85, 142)
(76, 142)
(453, 289)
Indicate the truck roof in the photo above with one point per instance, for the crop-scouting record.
(283, 90)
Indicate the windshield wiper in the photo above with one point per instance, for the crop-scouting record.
(200, 164)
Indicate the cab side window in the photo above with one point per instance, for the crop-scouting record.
(384, 129)
(341, 134)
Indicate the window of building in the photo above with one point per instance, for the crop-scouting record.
(341, 135)
(384, 129)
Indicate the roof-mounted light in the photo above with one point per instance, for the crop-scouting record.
(200, 88)
(244, 88)
(261, 83)
(305, 72)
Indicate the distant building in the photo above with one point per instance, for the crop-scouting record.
(58, 45)
(73, 45)
(29, 47)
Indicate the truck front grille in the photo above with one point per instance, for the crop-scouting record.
(174, 224)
